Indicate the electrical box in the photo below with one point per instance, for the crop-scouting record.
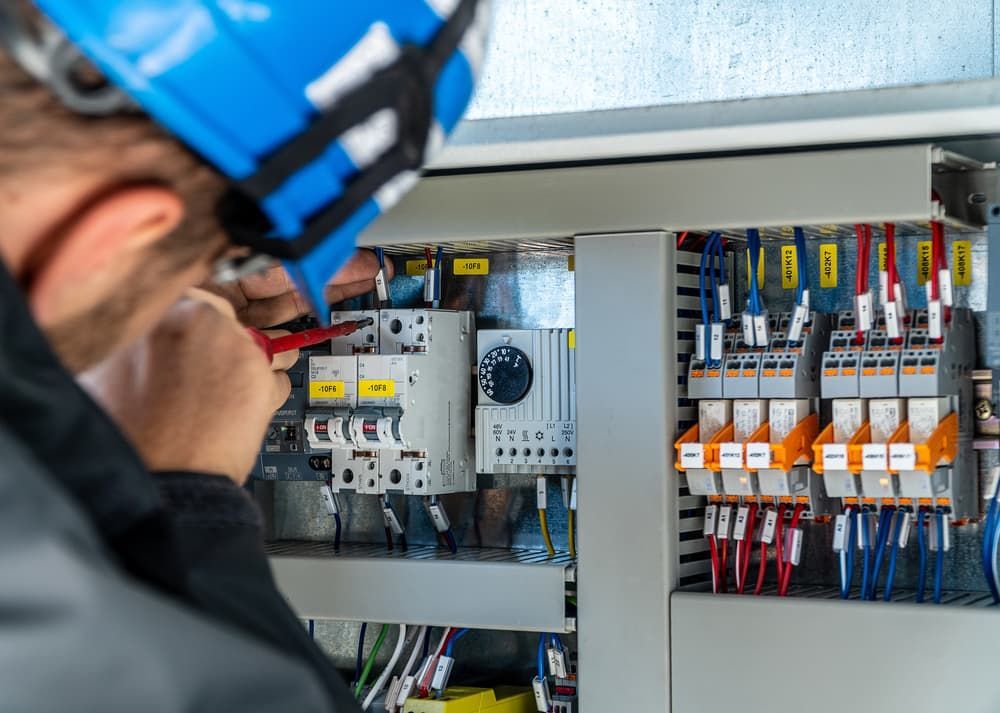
(526, 414)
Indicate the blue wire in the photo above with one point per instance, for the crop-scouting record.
(541, 657)
(451, 644)
(556, 642)
(312, 629)
(380, 255)
(439, 268)
(449, 537)
(884, 518)
(710, 249)
(703, 299)
(866, 552)
(922, 547)
(891, 573)
(361, 653)
(721, 256)
(852, 542)
(753, 245)
(989, 555)
(939, 559)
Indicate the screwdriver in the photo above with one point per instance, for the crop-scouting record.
(305, 338)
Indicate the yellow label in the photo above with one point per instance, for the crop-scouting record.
(923, 261)
(377, 388)
(326, 389)
(416, 268)
(828, 265)
(883, 257)
(961, 262)
(789, 267)
(572, 339)
(760, 269)
(571, 263)
(472, 266)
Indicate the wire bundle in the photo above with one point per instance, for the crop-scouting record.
(892, 292)
(709, 334)
(744, 548)
(897, 532)
(922, 548)
(800, 315)
(754, 322)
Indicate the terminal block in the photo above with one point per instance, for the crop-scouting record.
(879, 376)
(941, 369)
(526, 413)
(840, 375)
(741, 374)
(704, 382)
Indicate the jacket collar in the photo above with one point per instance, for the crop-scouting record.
(44, 408)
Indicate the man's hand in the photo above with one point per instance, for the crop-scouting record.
(196, 393)
(270, 298)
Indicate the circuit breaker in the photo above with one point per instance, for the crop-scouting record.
(526, 413)
(392, 405)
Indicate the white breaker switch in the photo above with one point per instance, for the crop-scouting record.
(526, 413)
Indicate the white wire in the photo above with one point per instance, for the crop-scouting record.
(418, 645)
(437, 653)
(387, 671)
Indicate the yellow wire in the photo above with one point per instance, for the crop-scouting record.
(544, 522)
(570, 526)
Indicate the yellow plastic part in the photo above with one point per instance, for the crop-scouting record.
(797, 446)
(711, 448)
(464, 699)
(939, 449)
(863, 435)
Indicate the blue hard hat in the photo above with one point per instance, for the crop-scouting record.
(321, 113)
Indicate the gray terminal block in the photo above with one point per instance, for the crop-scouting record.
(939, 369)
(799, 482)
(741, 375)
(788, 375)
(842, 340)
(839, 377)
(879, 374)
(704, 382)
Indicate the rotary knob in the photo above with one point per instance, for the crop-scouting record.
(505, 374)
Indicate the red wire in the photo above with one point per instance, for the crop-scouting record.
(681, 237)
(864, 235)
(743, 558)
(724, 566)
(890, 258)
(787, 576)
(935, 286)
(762, 569)
(713, 549)
(429, 257)
(778, 543)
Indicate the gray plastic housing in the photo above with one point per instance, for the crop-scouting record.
(741, 375)
(879, 377)
(840, 375)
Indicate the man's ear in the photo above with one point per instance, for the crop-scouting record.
(89, 256)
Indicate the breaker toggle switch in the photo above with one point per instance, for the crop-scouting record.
(325, 432)
(374, 431)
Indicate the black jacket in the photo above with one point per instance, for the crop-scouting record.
(123, 591)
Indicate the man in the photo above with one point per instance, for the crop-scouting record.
(122, 590)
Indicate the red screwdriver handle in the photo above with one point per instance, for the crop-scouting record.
(305, 338)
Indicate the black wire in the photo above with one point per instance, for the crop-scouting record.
(337, 531)
(403, 545)
(449, 538)
(361, 652)
(388, 539)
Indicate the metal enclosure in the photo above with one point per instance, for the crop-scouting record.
(664, 650)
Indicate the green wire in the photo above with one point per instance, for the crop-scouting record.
(370, 663)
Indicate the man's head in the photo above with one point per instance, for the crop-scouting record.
(104, 222)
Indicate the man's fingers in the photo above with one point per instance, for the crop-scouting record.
(275, 281)
(286, 307)
(221, 304)
(282, 388)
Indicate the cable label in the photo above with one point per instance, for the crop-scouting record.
(770, 522)
(417, 268)
(828, 265)
(835, 456)
(709, 527)
(944, 285)
(472, 266)
(377, 388)
(692, 455)
(874, 456)
(924, 254)
(758, 455)
(391, 521)
(724, 514)
(904, 530)
(740, 528)
(840, 533)
(789, 267)
(731, 456)
(557, 663)
(934, 319)
(326, 389)
(381, 289)
(793, 547)
(541, 493)
(961, 262)
(330, 500)
(725, 303)
(442, 673)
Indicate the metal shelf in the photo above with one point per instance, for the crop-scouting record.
(776, 654)
(488, 588)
